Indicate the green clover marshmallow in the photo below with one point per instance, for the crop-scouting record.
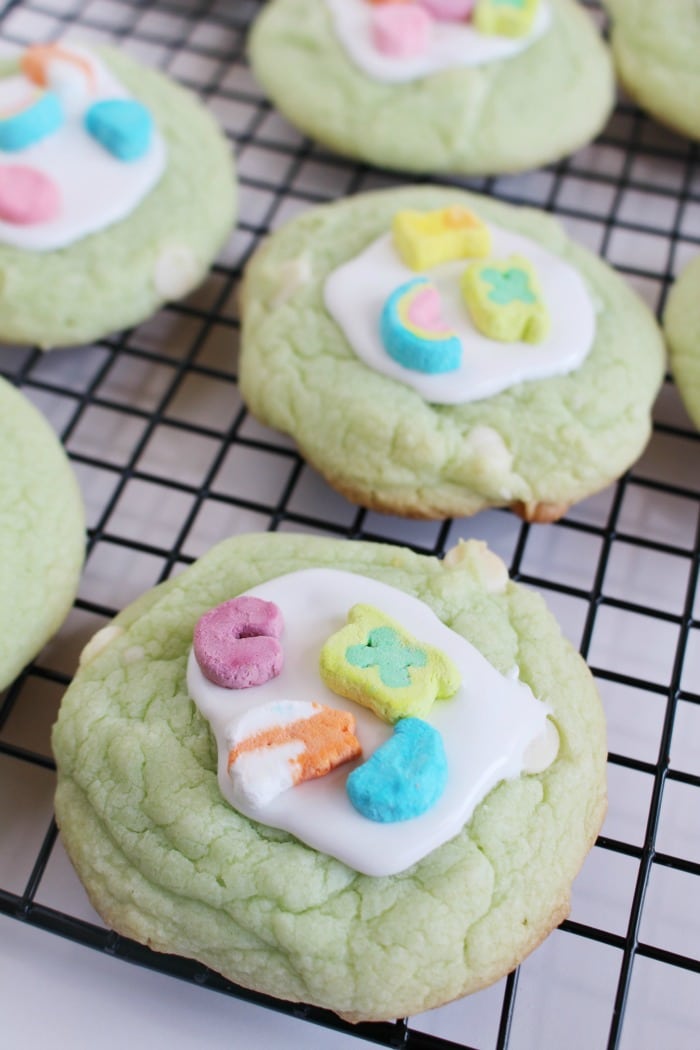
(505, 300)
(376, 663)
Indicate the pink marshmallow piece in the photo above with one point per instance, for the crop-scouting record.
(401, 30)
(449, 10)
(425, 311)
(236, 644)
(27, 196)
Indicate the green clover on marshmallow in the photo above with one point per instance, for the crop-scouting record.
(376, 663)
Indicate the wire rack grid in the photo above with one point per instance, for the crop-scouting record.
(169, 462)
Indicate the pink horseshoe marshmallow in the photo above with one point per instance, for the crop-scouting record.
(237, 645)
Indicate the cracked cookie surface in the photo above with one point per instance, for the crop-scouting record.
(167, 861)
(507, 115)
(119, 276)
(538, 446)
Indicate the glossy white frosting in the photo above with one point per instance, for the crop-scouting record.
(453, 44)
(488, 727)
(355, 293)
(96, 189)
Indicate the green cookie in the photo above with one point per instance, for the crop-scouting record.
(682, 328)
(656, 49)
(166, 861)
(538, 446)
(120, 275)
(42, 533)
(507, 115)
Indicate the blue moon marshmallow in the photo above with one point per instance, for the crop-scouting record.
(404, 777)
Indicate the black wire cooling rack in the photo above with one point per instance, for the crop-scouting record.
(170, 462)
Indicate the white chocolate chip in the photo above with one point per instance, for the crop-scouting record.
(487, 450)
(292, 276)
(99, 641)
(488, 567)
(177, 271)
(457, 556)
(542, 751)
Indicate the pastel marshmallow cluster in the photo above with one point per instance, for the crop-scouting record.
(504, 298)
(54, 89)
(403, 28)
(378, 664)
(277, 745)
(435, 767)
(272, 747)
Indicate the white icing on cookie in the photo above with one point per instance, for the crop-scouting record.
(96, 189)
(488, 727)
(452, 45)
(355, 293)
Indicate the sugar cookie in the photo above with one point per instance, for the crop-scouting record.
(531, 425)
(682, 328)
(461, 98)
(655, 47)
(116, 193)
(283, 903)
(42, 533)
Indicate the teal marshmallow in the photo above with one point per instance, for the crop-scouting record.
(404, 777)
(386, 651)
(122, 125)
(30, 125)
